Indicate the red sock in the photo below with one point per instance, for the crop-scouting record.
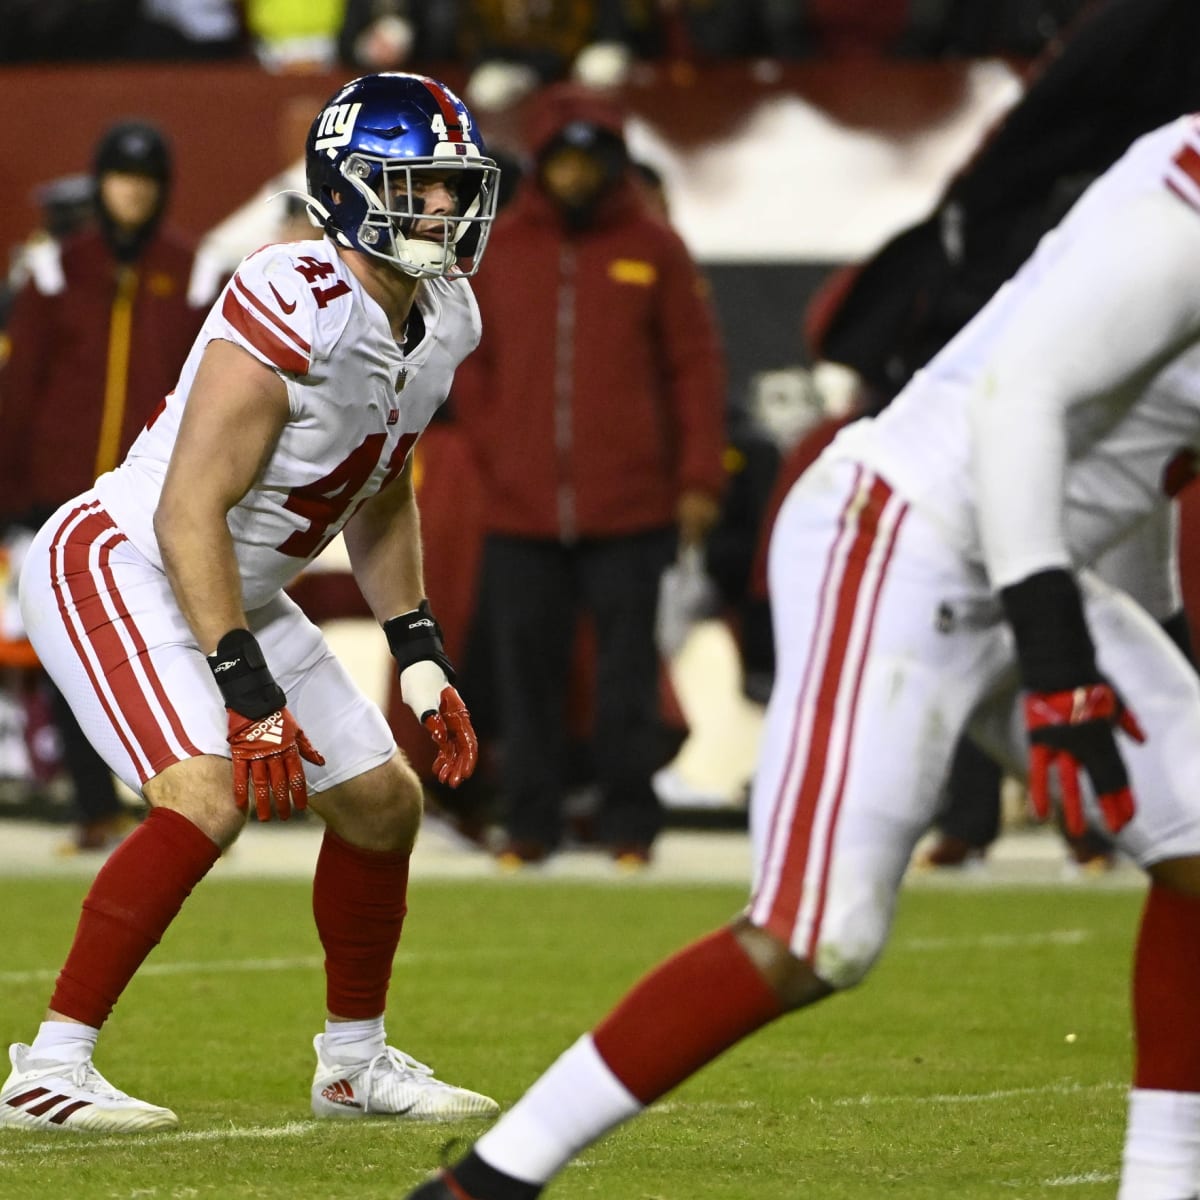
(1166, 993)
(683, 1014)
(127, 910)
(359, 902)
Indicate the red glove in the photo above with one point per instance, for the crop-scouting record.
(267, 753)
(1071, 729)
(452, 732)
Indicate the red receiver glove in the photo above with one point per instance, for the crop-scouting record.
(265, 742)
(267, 754)
(1071, 729)
(427, 685)
(1072, 713)
(452, 733)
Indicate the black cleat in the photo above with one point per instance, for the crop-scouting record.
(440, 1187)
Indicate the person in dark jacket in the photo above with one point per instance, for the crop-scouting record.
(595, 407)
(96, 333)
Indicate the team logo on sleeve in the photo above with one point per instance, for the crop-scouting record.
(337, 126)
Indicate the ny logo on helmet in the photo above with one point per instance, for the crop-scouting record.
(337, 126)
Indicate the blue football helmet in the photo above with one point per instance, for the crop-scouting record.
(373, 152)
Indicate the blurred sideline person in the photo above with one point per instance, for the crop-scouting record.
(930, 573)
(595, 408)
(155, 601)
(98, 331)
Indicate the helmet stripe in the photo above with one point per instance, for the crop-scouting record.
(454, 129)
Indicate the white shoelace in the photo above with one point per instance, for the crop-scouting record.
(85, 1075)
(416, 1072)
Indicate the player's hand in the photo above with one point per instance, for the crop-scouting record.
(450, 727)
(1073, 729)
(427, 685)
(267, 754)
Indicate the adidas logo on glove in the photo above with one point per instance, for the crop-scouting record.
(269, 729)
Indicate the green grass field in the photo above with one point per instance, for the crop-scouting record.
(949, 1073)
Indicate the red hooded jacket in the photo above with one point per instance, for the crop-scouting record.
(90, 359)
(597, 393)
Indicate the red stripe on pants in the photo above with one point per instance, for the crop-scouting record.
(785, 903)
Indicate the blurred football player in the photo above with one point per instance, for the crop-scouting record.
(155, 600)
(930, 574)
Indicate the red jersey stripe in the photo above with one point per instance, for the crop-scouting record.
(265, 311)
(1188, 161)
(262, 339)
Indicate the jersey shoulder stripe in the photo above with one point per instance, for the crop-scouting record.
(272, 337)
(1183, 171)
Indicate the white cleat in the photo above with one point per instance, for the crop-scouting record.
(56, 1097)
(392, 1084)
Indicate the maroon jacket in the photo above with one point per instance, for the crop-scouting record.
(597, 392)
(88, 365)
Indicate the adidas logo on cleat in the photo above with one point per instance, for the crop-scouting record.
(35, 1106)
(340, 1092)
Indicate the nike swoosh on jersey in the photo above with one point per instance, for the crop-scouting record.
(287, 308)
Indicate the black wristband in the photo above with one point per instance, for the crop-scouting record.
(241, 673)
(1054, 648)
(416, 637)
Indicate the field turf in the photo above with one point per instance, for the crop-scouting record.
(949, 1074)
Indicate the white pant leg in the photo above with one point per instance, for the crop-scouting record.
(106, 627)
(885, 642)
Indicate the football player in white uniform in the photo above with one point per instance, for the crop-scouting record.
(930, 574)
(155, 600)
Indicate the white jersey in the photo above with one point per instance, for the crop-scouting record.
(1069, 408)
(357, 403)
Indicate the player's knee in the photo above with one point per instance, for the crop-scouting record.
(850, 944)
(200, 789)
(844, 963)
(378, 810)
(792, 979)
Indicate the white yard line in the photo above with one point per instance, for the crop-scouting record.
(952, 1098)
(65, 1143)
(995, 941)
(227, 966)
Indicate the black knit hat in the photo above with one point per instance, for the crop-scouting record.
(135, 147)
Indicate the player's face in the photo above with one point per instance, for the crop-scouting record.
(436, 190)
(130, 200)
